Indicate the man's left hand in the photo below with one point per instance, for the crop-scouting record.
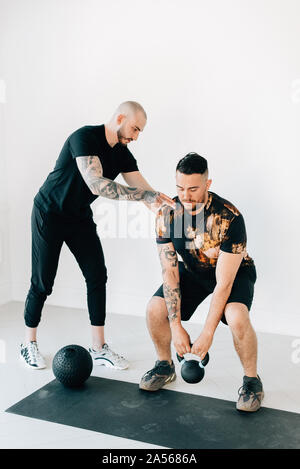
(165, 199)
(202, 344)
(160, 200)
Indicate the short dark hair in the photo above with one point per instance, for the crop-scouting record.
(192, 163)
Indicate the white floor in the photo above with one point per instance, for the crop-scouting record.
(128, 335)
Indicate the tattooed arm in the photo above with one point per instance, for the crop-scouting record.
(136, 179)
(91, 170)
(169, 263)
(171, 285)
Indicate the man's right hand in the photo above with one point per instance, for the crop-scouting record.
(181, 339)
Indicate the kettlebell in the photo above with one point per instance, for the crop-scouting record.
(192, 371)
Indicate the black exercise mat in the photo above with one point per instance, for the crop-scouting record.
(166, 418)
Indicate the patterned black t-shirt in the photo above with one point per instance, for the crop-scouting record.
(199, 238)
(64, 191)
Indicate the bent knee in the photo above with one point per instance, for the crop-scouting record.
(157, 308)
(237, 317)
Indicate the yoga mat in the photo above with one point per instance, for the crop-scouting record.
(166, 418)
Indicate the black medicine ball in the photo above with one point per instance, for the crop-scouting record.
(72, 365)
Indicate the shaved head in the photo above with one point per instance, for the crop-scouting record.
(130, 108)
(128, 120)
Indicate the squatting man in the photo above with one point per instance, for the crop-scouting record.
(214, 260)
(90, 159)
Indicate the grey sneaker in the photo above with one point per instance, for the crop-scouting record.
(251, 394)
(162, 373)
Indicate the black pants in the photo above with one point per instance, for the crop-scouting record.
(49, 231)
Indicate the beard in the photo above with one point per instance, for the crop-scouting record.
(121, 138)
(194, 204)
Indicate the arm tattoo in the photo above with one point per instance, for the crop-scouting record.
(172, 299)
(91, 170)
(168, 254)
(172, 295)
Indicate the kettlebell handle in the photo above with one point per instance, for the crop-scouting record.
(202, 363)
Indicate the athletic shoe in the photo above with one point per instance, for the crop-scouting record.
(31, 356)
(162, 373)
(107, 357)
(251, 394)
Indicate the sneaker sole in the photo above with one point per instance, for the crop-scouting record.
(240, 409)
(108, 364)
(30, 366)
(168, 381)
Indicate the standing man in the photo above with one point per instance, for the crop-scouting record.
(91, 158)
(209, 233)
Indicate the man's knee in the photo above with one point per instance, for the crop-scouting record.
(237, 317)
(97, 281)
(156, 309)
(41, 290)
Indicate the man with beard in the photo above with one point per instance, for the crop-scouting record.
(209, 234)
(91, 158)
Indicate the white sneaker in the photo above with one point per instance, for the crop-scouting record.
(31, 356)
(107, 357)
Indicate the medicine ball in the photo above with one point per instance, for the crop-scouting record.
(72, 365)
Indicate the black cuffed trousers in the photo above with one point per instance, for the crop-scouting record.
(49, 232)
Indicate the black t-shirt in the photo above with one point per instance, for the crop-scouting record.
(64, 191)
(199, 238)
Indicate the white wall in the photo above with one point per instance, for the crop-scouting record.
(5, 265)
(221, 78)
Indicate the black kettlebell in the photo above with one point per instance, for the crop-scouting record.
(192, 371)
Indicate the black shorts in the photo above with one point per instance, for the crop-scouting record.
(195, 288)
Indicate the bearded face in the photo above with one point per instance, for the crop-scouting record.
(130, 127)
(192, 189)
(123, 136)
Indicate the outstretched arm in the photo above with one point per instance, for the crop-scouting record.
(136, 179)
(91, 170)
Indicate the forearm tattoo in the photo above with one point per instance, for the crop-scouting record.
(172, 298)
(113, 190)
(168, 258)
(91, 170)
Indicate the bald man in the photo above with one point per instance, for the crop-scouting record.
(91, 158)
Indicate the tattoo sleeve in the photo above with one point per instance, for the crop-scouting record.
(91, 170)
(173, 300)
(171, 286)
